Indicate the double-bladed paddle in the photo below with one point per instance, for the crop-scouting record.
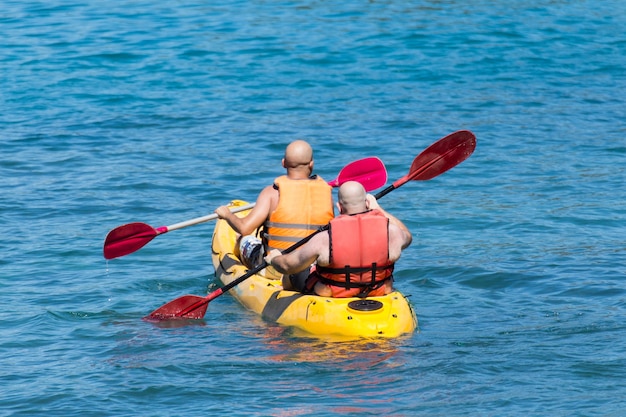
(439, 157)
(128, 238)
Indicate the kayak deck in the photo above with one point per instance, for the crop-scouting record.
(385, 316)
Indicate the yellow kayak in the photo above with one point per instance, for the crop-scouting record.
(386, 316)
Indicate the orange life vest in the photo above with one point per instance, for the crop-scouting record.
(303, 207)
(359, 255)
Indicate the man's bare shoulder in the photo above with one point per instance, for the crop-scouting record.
(268, 197)
(269, 190)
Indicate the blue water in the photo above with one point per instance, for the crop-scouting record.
(158, 112)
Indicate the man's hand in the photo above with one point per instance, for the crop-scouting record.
(273, 253)
(372, 202)
(223, 212)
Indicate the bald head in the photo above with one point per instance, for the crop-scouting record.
(298, 153)
(352, 198)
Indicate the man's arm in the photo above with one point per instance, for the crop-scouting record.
(299, 259)
(254, 219)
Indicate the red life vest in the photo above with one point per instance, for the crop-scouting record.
(303, 207)
(359, 255)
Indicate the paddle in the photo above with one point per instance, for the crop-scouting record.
(439, 157)
(128, 238)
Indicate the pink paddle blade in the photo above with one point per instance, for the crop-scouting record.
(370, 172)
(185, 307)
(127, 238)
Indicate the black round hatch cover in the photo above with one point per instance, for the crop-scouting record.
(365, 305)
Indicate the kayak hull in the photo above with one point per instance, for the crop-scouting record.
(386, 316)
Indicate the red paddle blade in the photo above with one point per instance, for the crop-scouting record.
(370, 172)
(127, 239)
(185, 307)
(441, 156)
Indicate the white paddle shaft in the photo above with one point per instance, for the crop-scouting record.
(206, 218)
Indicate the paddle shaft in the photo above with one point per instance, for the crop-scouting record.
(199, 220)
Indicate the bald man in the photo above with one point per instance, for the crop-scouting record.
(290, 209)
(356, 256)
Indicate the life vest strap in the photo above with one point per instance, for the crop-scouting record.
(293, 225)
(347, 271)
(267, 237)
(355, 270)
(282, 238)
(352, 284)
